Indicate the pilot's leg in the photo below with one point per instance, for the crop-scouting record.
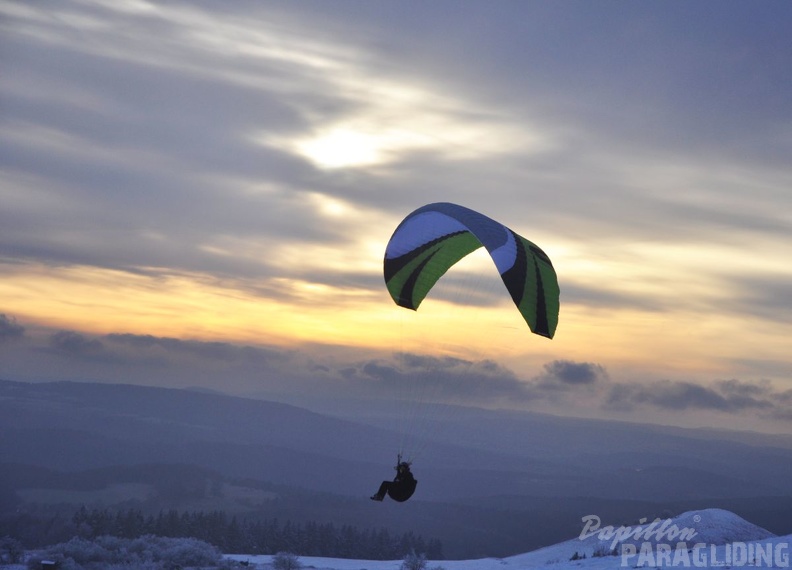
(382, 491)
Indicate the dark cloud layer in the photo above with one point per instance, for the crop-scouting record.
(728, 396)
(266, 371)
(437, 380)
(217, 351)
(573, 373)
(76, 344)
(10, 329)
(565, 382)
(478, 382)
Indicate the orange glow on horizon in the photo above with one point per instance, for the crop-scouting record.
(192, 306)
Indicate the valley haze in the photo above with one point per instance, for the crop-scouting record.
(492, 483)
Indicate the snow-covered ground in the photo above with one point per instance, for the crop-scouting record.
(712, 538)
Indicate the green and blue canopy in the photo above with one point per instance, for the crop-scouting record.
(430, 240)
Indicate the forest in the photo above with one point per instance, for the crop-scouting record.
(230, 534)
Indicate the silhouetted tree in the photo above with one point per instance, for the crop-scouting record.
(11, 550)
(286, 561)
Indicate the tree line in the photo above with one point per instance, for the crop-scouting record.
(228, 533)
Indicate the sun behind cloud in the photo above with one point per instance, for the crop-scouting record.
(343, 148)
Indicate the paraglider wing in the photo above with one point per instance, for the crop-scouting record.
(434, 237)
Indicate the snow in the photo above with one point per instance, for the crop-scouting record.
(724, 541)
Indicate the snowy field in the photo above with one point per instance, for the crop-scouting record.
(713, 539)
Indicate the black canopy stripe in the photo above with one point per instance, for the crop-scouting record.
(396, 264)
(537, 251)
(542, 326)
(514, 277)
(406, 293)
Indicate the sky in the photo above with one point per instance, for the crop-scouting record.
(200, 194)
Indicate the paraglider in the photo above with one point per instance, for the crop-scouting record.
(432, 239)
(401, 488)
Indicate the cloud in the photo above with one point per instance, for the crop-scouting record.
(440, 379)
(122, 357)
(730, 396)
(191, 135)
(480, 382)
(568, 373)
(10, 329)
(411, 360)
(240, 369)
(209, 350)
(77, 344)
(766, 294)
(167, 106)
(563, 386)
